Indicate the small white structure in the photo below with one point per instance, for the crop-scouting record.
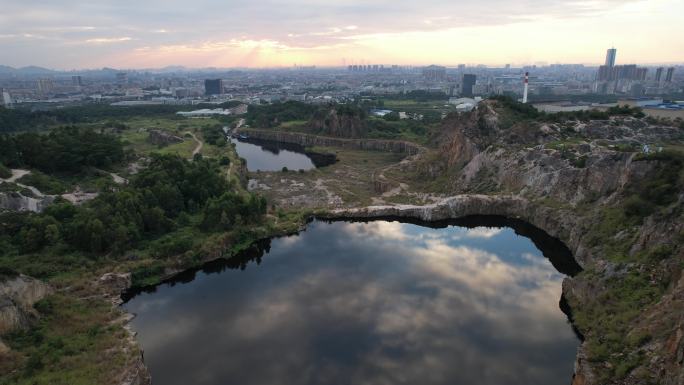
(465, 104)
(380, 113)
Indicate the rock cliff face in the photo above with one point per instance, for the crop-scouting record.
(17, 296)
(339, 124)
(18, 202)
(161, 138)
(568, 179)
(309, 140)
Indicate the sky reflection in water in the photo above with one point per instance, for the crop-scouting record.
(375, 303)
(260, 158)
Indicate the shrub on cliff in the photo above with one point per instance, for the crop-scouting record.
(4, 172)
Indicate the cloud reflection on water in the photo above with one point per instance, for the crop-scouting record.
(375, 303)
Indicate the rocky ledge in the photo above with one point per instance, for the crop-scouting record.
(666, 351)
(309, 140)
(18, 294)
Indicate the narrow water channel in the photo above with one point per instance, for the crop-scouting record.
(364, 303)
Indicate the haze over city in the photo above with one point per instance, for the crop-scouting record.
(71, 34)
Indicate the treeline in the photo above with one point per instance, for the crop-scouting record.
(416, 95)
(271, 115)
(23, 120)
(64, 150)
(522, 111)
(19, 120)
(172, 193)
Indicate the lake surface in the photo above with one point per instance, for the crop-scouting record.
(272, 156)
(364, 303)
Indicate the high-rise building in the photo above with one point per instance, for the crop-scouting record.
(659, 74)
(621, 72)
(434, 73)
(213, 87)
(610, 57)
(670, 74)
(467, 84)
(76, 81)
(45, 86)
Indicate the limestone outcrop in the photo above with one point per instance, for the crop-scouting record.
(18, 294)
(162, 138)
(15, 201)
(309, 140)
(574, 179)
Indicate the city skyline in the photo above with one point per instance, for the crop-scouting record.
(68, 35)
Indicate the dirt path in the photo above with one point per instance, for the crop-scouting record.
(240, 123)
(16, 174)
(118, 179)
(199, 144)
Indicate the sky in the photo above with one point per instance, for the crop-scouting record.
(76, 34)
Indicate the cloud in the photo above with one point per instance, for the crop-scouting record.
(108, 40)
(381, 30)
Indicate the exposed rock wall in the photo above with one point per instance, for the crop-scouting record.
(560, 178)
(18, 294)
(18, 202)
(309, 140)
(340, 124)
(161, 138)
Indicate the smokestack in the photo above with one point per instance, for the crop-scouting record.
(527, 77)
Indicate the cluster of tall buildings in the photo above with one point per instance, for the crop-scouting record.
(366, 67)
(627, 78)
(668, 76)
(611, 72)
(434, 73)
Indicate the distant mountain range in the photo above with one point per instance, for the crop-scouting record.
(30, 70)
(35, 71)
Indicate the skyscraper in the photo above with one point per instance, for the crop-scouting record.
(467, 84)
(610, 57)
(659, 74)
(213, 87)
(45, 86)
(670, 74)
(76, 80)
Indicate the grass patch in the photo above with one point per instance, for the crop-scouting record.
(72, 344)
(609, 318)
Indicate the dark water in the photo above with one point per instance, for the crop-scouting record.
(364, 303)
(270, 156)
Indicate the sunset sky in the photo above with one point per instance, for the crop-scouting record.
(71, 34)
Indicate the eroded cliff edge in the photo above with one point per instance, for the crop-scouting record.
(591, 185)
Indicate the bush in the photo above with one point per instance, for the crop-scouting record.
(44, 183)
(392, 117)
(5, 172)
